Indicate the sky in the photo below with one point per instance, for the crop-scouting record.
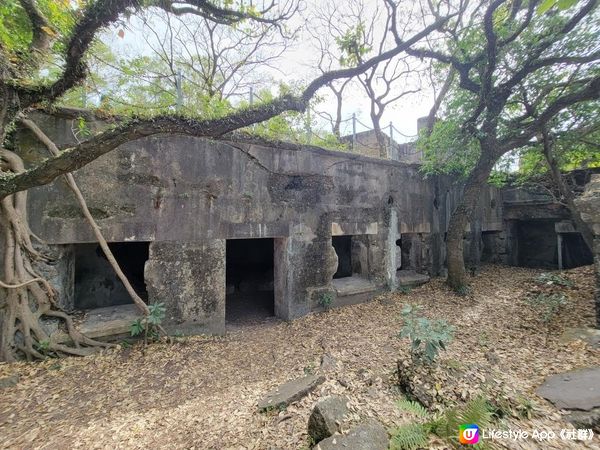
(297, 66)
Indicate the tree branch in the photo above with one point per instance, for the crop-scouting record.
(590, 92)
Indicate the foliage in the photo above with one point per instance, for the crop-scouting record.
(445, 425)
(149, 325)
(447, 150)
(553, 278)
(413, 407)
(15, 28)
(404, 289)
(427, 336)
(325, 300)
(353, 45)
(478, 411)
(411, 436)
(548, 304)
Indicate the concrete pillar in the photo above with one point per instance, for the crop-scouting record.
(393, 259)
(189, 278)
(304, 267)
(559, 250)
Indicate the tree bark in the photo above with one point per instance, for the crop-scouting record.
(566, 192)
(461, 217)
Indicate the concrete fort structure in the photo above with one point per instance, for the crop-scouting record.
(224, 230)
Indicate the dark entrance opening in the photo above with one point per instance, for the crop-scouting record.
(343, 247)
(575, 252)
(249, 280)
(491, 246)
(537, 244)
(97, 285)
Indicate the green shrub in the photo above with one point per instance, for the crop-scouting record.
(149, 325)
(445, 425)
(554, 278)
(427, 336)
(548, 304)
(478, 411)
(411, 436)
(325, 300)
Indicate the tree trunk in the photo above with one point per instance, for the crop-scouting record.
(566, 193)
(461, 216)
(381, 143)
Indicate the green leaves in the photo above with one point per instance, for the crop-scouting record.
(148, 325)
(428, 337)
(560, 4)
(548, 305)
(136, 327)
(411, 436)
(353, 46)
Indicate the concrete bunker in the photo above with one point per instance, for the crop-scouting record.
(415, 252)
(355, 280)
(548, 243)
(536, 240)
(249, 274)
(352, 252)
(493, 247)
(95, 283)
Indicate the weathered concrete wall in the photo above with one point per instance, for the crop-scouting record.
(189, 278)
(589, 205)
(188, 195)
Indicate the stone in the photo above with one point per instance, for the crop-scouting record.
(492, 357)
(290, 392)
(370, 435)
(586, 419)
(589, 335)
(104, 323)
(326, 417)
(10, 381)
(579, 389)
(411, 279)
(328, 363)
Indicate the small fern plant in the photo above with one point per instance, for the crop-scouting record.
(477, 411)
(415, 435)
(427, 336)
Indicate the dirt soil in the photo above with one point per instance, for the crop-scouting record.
(202, 392)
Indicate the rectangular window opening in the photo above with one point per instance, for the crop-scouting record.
(96, 283)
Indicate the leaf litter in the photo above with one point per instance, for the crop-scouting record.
(202, 392)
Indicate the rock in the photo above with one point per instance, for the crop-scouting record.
(289, 392)
(326, 417)
(10, 381)
(579, 389)
(589, 335)
(370, 435)
(410, 278)
(586, 419)
(492, 357)
(328, 363)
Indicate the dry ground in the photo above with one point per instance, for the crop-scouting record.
(202, 392)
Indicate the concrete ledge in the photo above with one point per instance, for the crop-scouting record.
(355, 289)
(410, 278)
